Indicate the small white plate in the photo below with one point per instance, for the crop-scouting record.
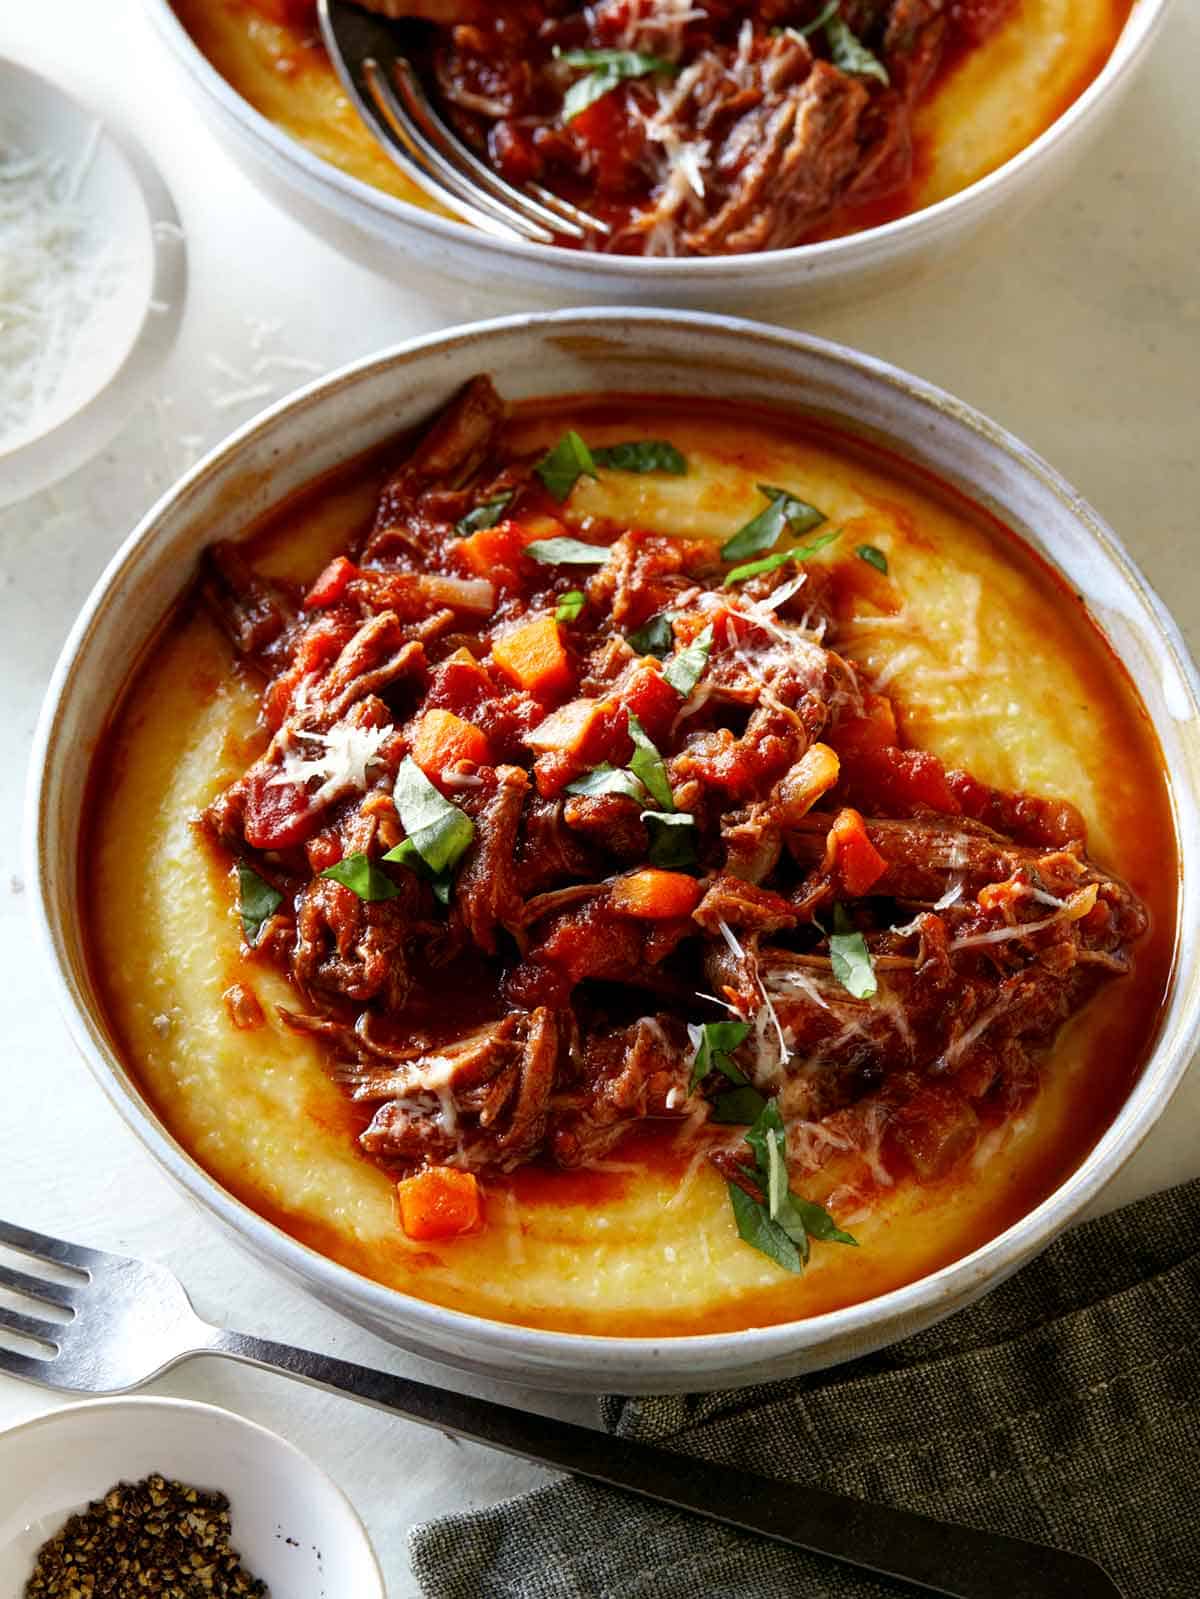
(108, 180)
(292, 1525)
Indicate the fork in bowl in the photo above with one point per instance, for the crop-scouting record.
(125, 1321)
(368, 55)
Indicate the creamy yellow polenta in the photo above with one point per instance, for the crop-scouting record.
(993, 665)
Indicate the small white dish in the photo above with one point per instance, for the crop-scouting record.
(107, 188)
(292, 1525)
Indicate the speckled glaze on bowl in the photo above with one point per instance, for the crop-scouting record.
(389, 235)
(582, 352)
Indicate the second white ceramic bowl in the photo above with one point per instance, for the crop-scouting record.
(584, 353)
(391, 236)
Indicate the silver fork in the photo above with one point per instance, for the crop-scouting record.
(368, 55)
(129, 1320)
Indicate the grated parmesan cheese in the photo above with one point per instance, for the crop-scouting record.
(58, 269)
(345, 762)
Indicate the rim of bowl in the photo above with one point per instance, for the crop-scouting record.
(192, 1407)
(1143, 22)
(944, 1289)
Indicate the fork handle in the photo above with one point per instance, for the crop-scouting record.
(940, 1557)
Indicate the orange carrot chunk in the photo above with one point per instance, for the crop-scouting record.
(533, 657)
(859, 863)
(491, 549)
(440, 1202)
(654, 894)
(440, 740)
(331, 585)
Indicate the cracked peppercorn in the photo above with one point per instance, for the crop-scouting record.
(157, 1538)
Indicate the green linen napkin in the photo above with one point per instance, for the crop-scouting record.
(1062, 1407)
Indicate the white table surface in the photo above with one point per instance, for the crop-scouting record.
(1079, 329)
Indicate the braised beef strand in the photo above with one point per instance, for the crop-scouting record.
(516, 982)
(710, 128)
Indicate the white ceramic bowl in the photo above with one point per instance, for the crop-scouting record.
(292, 1525)
(583, 352)
(387, 234)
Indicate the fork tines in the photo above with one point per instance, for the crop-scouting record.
(39, 1293)
(368, 54)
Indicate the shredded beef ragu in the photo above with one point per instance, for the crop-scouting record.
(751, 137)
(537, 1017)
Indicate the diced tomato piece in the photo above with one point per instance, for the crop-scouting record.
(1029, 818)
(875, 729)
(534, 658)
(440, 740)
(277, 814)
(654, 894)
(614, 136)
(651, 698)
(440, 1202)
(859, 864)
(895, 782)
(331, 585)
(460, 684)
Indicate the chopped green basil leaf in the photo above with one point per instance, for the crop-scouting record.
(570, 605)
(767, 1129)
(848, 52)
(443, 888)
(486, 514)
(755, 1227)
(609, 67)
(713, 1042)
(782, 1212)
(564, 465)
(739, 1106)
(784, 510)
(831, 10)
(442, 883)
(683, 671)
(436, 829)
(769, 563)
(672, 838)
(655, 637)
(873, 557)
(606, 779)
(361, 876)
(257, 901)
(852, 965)
(641, 455)
(817, 1221)
(567, 552)
(648, 764)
